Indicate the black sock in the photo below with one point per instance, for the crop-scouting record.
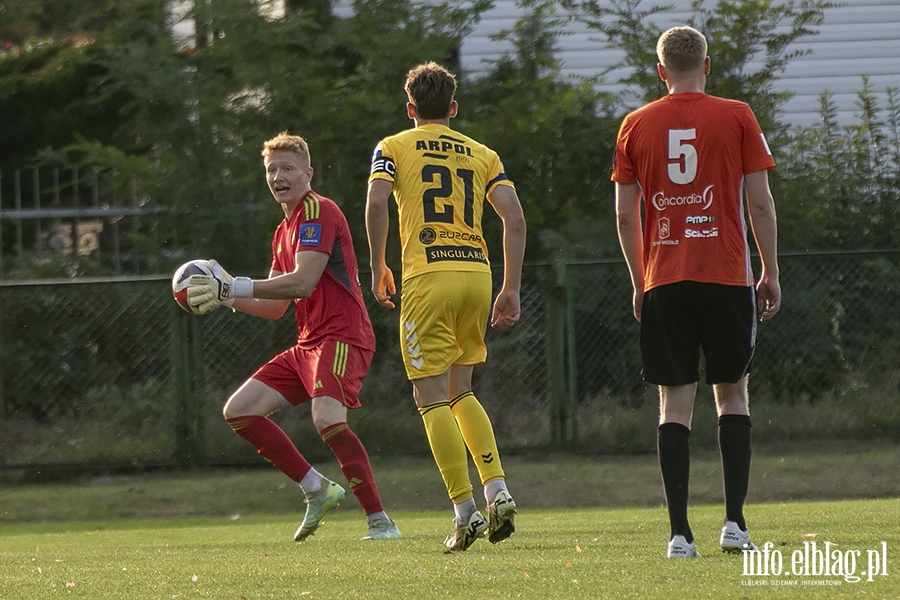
(734, 446)
(675, 465)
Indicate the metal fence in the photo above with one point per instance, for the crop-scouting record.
(112, 372)
(75, 212)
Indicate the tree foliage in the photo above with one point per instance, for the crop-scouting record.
(750, 44)
(107, 83)
(198, 113)
(836, 187)
(840, 186)
(24, 21)
(554, 135)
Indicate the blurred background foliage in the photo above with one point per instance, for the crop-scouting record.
(107, 83)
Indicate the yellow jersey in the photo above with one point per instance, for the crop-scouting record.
(441, 179)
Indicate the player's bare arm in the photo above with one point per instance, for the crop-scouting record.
(507, 305)
(377, 225)
(761, 209)
(631, 238)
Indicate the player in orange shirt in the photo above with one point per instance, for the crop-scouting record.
(689, 158)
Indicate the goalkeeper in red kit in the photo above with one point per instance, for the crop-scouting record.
(314, 266)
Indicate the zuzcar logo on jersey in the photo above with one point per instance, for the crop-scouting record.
(460, 235)
(427, 236)
(662, 202)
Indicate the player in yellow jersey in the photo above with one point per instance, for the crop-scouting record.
(440, 180)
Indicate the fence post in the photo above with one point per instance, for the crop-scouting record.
(555, 334)
(2, 399)
(187, 389)
(571, 361)
(1, 225)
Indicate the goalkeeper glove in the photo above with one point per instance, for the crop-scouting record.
(206, 293)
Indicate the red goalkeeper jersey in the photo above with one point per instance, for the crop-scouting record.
(335, 310)
(689, 153)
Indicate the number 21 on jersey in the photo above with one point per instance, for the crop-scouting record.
(444, 178)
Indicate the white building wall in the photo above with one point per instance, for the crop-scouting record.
(860, 37)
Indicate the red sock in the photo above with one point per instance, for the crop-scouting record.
(272, 443)
(354, 461)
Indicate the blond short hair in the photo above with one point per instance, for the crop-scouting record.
(430, 88)
(287, 143)
(681, 49)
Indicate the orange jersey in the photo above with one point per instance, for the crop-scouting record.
(689, 153)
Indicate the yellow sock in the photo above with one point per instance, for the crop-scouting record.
(478, 434)
(448, 449)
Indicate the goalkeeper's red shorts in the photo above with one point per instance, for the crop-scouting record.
(333, 368)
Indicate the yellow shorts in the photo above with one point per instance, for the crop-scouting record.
(443, 316)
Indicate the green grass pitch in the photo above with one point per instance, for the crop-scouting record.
(596, 553)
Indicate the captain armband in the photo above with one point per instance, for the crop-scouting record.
(384, 164)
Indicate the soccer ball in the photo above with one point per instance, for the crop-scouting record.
(180, 283)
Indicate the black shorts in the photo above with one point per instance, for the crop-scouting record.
(679, 319)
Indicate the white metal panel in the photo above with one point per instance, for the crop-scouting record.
(859, 37)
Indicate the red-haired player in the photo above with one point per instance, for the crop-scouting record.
(314, 266)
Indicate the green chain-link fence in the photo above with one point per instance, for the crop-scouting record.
(112, 372)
